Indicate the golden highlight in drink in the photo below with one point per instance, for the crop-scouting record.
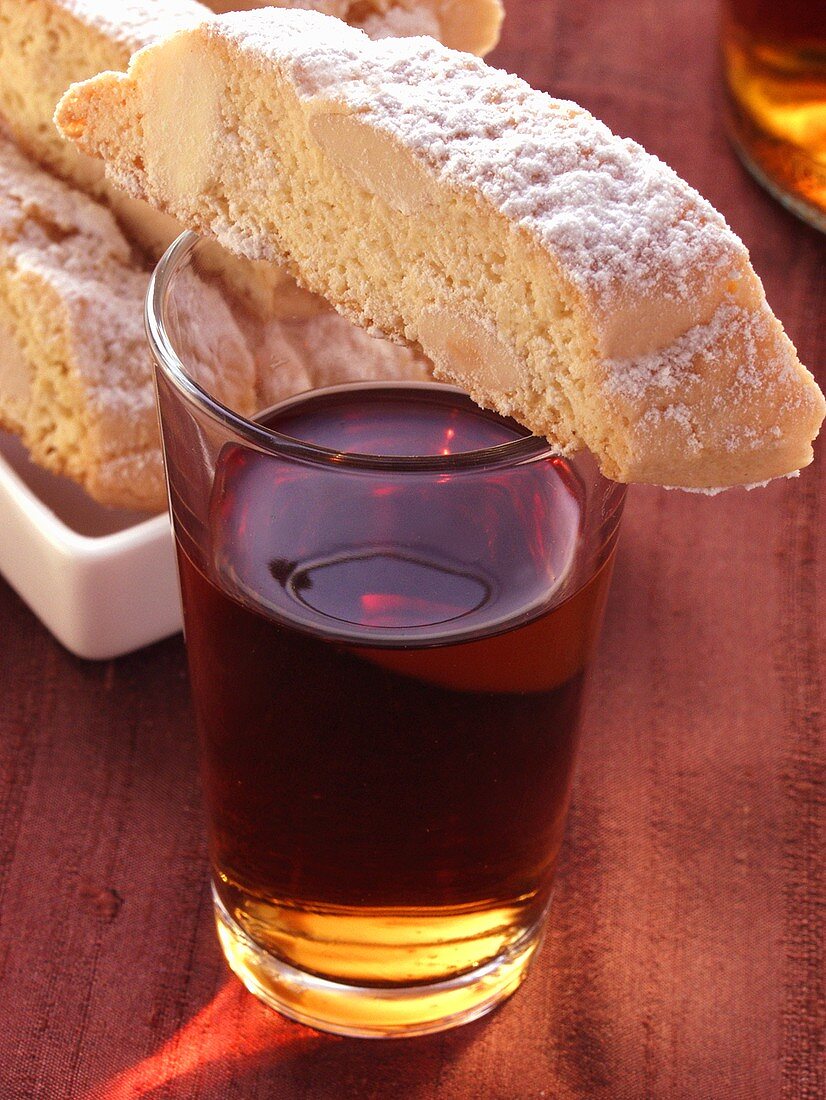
(775, 65)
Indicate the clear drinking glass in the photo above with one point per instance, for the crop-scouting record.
(391, 599)
(774, 59)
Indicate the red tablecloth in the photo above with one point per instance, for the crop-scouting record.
(686, 954)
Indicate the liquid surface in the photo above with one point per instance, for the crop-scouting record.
(404, 422)
(407, 557)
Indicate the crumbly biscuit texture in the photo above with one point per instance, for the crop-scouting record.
(75, 373)
(561, 274)
(45, 45)
(135, 23)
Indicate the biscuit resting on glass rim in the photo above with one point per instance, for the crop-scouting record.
(558, 273)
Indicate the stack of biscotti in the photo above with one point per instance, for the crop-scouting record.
(75, 372)
(75, 381)
(46, 45)
(560, 274)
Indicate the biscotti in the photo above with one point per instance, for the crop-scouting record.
(75, 372)
(472, 25)
(560, 274)
(45, 45)
(324, 349)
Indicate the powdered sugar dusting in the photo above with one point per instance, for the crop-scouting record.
(667, 370)
(71, 243)
(136, 23)
(401, 23)
(725, 488)
(65, 252)
(613, 215)
(35, 208)
(760, 372)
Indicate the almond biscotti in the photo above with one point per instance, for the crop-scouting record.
(46, 45)
(75, 372)
(324, 349)
(560, 274)
(471, 25)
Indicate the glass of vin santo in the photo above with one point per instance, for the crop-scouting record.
(391, 599)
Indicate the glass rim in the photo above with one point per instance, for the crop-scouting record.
(517, 451)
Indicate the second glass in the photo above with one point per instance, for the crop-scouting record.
(391, 598)
(774, 58)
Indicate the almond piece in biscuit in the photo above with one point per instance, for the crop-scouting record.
(560, 274)
(45, 45)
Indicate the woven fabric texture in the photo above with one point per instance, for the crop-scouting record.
(685, 953)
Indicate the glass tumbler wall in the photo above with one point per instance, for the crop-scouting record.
(774, 57)
(390, 599)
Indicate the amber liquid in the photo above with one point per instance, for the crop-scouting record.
(387, 673)
(775, 60)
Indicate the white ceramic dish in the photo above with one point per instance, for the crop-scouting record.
(104, 582)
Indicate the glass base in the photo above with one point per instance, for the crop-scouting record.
(373, 1011)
